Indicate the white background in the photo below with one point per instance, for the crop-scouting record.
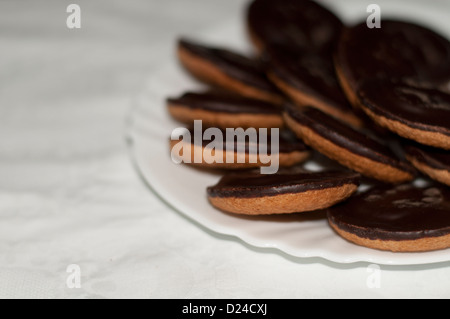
(70, 195)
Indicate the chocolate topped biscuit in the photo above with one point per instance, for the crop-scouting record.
(436, 158)
(240, 152)
(431, 161)
(397, 75)
(420, 108)
(228, 70)
(282, 193)
(420, 114)
(224, 110)
(254, 185)
(403, 218)
(346, 145)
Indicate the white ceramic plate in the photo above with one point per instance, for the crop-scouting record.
(184, 188)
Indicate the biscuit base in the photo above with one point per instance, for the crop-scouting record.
(225, 120)
(211, 74)
(363, 165)
(302, 99)
(442, 176)
(240, 160)
(411, 246)
(285, 203)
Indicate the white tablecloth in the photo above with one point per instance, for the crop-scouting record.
(69, 194)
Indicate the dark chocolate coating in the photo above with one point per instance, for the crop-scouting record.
(286, 143)
(395, 213)
(313, 74)
(302, 24)
(430, 156)
(345, 136)
(421, 108)
(252, 185)
(239, 67)
(224, 103)
(398, 50)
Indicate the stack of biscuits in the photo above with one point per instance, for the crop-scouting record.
(374, 100)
